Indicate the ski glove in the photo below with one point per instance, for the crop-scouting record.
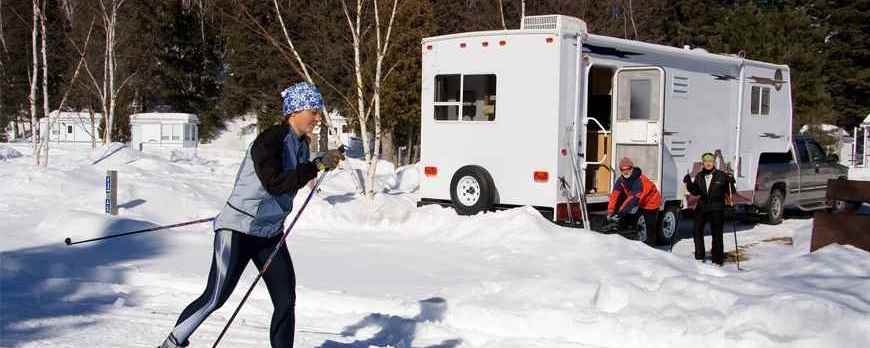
(330, 160)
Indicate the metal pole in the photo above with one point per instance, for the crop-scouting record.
(69, 241)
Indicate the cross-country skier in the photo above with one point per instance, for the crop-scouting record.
(250, 225)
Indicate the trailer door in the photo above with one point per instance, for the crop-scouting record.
(638, 101)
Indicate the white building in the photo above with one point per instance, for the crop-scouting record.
(843, 142)
(862, 144)
(163, 131)
(71, 127)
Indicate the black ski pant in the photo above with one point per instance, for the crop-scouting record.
(232, 251)
(716, 219)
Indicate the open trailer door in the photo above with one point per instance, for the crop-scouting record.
(638, 104)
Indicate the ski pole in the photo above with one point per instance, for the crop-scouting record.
(734, 228)
(69, 241)
(269, 260)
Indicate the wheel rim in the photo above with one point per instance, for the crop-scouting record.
(776, 207)
(468, 191)
(669, 224)
(641, 229)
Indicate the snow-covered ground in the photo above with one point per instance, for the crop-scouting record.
(375, 273)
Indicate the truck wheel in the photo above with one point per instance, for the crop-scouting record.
(472, 190)
(668, 224)
(775, 207)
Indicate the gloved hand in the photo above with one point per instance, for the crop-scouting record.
(687, 179)
(329, 160)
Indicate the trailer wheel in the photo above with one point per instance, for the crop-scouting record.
(775, 207)
(668, 224)
(643, 234)
(472, 190)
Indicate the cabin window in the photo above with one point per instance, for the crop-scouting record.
(68, 129)
(176, 132)
(476, 102)
(166, 132)
(760, 101)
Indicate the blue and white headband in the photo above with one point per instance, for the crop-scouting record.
(301, 96)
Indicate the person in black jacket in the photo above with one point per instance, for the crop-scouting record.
(250, 226)
(712, 187)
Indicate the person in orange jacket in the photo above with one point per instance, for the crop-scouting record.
(634, 195)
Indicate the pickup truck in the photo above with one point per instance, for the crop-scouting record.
(788, 182)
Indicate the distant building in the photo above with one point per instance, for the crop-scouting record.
(163, 131)
(71, 127)
(862, 144)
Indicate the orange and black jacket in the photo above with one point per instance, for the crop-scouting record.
(636, 191)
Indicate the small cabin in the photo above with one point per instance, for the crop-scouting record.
(163, 131)
(71, 127)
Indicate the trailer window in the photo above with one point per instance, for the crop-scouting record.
(640, 99)
(478, 97)
(638, 95)
(475, 103)
(760, 101)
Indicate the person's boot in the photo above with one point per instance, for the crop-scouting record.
(171, 342)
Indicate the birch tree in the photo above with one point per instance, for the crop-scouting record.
(371, 147)
(106, 89)
(294, 58)
(34, 123)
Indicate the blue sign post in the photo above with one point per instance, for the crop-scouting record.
(112, 192)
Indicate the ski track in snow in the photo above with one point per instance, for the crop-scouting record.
(509, 279)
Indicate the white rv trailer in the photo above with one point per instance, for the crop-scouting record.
(507, 114)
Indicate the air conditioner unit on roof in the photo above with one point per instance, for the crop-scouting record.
(562, 24)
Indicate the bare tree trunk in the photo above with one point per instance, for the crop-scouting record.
(34, 123)
(501, 13)
(93, 130)
(45, 110)
(323, 140)
(410, 144)
(633, 24)
(362, 114)
(389, 147)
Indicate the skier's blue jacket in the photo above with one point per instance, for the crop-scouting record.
(275, 166)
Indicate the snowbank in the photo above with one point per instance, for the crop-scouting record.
(367, 269)
(8, 153)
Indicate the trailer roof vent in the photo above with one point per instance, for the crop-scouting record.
(559, 23)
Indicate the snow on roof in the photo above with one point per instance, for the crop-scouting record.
(867, 120)
(73, 115)
(827, 128)
(149, 117)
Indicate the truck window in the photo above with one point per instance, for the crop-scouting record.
(802, 151)
(816, 153)
(475, 103)
(775, 158)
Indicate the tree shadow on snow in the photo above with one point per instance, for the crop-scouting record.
(396, 331)
(57, 281)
